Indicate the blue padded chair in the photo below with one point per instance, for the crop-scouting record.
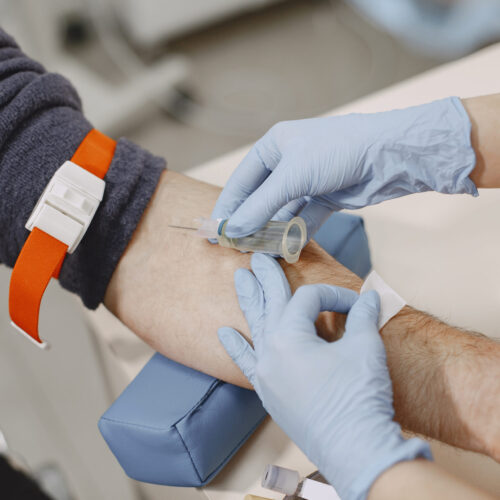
(176, 426)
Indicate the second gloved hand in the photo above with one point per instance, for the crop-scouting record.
(316, 166)
(333, 399)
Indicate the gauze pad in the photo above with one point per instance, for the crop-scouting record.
(390, 302)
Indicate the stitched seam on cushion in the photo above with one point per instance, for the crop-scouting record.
(157, 429)
(216, 383)
(142, 426)
(211, 388)
(214, 386)
(189, 453)
(132, 424)
(238, 444)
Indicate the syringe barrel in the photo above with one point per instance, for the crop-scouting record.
(285, 239)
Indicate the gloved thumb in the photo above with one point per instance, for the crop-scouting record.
(279, 189)
(362, 319)
(239, 350)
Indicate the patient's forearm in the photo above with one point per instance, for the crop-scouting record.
(174, 290)
(418, 479)
(446, 381)
(484, 113)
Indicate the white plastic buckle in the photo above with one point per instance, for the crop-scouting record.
(41, 345)
(68, 204)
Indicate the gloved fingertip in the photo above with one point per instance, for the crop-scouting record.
(239, 350)
(260, 261)
(373, 298)
(259, 257)
(365, 312)
(346, 298)
(243, 221)
(212, 240)
(237, 231)
(366, 309)
(243, 282)
(240, 273)
(220, 212)
(231, 340)
(224, 331)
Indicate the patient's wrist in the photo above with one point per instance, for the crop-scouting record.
(457, 371)
(484, 114)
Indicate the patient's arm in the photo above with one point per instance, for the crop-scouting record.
(484, 114)
(174, 290)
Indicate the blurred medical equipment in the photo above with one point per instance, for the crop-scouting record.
(288, 481)
(149, 22)
(18, 476)
(442, 28)
(184, 16)
(283, 238)
(109, 104)
(37, 27)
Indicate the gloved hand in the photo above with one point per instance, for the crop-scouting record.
(333, 399)
(316, 166)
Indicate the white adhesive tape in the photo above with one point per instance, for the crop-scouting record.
(314, 490)
(390, 302)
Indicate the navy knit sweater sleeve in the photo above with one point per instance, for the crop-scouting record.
(41, 126)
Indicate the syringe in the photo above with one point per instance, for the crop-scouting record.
(283, 238)
(289, 482)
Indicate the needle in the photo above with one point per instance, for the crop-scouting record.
(184, 227)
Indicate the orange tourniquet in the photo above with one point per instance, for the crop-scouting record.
(42, 255)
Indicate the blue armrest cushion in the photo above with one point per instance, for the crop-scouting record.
(177, 426)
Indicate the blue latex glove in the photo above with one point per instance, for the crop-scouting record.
(333, 399)
(316, 166)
